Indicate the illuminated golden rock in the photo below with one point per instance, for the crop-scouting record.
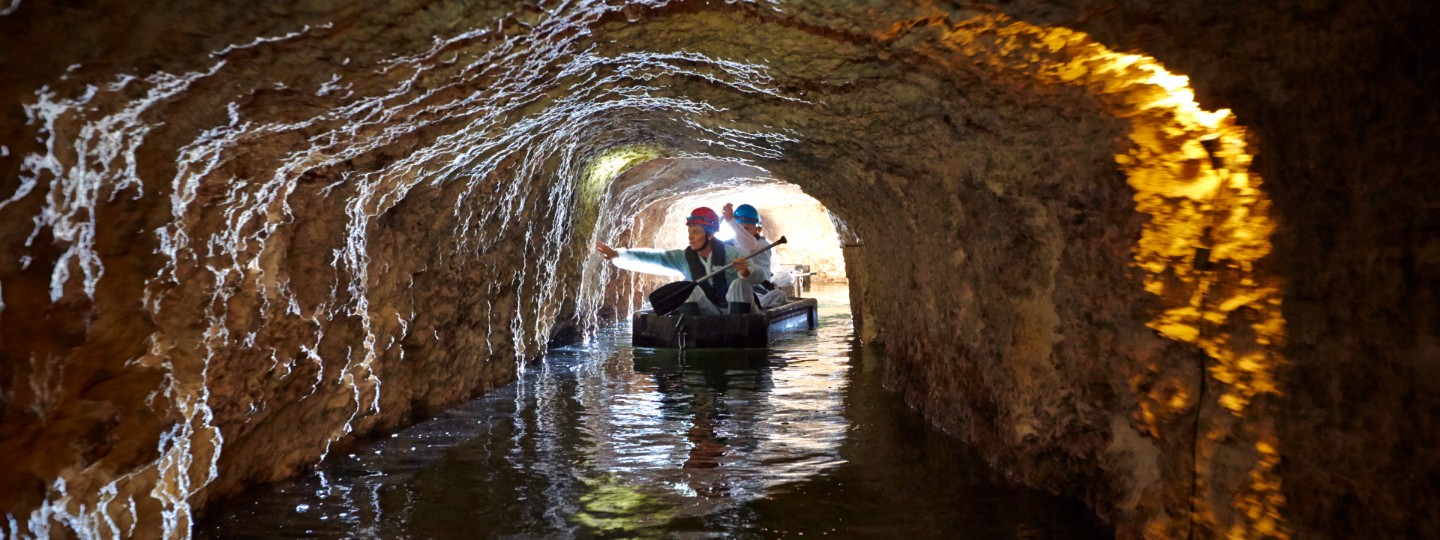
(237, 246)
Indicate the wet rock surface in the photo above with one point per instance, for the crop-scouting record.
(235, 238)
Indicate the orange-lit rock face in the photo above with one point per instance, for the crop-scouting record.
(227, 250)
(1203, 204)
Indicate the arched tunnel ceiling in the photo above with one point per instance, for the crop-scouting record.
(662, 179)
(234, 246)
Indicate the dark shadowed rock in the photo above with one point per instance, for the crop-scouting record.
(234, 237)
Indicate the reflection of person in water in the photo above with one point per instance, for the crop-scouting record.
(707, 412)
(706, 447)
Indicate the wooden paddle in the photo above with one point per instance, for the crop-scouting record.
(670, 296)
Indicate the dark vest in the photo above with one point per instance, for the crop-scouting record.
(716, 287)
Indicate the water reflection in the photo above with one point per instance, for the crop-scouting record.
(606, 440)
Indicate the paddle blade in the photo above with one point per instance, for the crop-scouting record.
(670, 296)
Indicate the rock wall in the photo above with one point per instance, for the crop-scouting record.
(1341, 104)
(232, 238)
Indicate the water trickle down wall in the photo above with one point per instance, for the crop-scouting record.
(336, 248)
(293, 240)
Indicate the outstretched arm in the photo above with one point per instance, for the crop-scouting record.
(606, 251)
(649, 261)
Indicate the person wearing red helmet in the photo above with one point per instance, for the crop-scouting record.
(729, 291)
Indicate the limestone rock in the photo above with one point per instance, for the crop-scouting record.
(234, 238)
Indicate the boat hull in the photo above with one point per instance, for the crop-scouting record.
(751, 330)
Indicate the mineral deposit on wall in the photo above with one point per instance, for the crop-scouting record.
(234, 238)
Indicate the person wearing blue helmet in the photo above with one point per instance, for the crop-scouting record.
(730, 290)
(745, 221)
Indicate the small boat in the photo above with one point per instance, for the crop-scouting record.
(740, 331)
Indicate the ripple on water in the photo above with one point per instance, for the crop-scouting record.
(603, 439)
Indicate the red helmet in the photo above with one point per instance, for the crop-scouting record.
(705, 217)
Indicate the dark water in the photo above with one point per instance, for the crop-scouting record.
(608, 441)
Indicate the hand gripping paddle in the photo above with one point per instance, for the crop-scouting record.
(669, 297)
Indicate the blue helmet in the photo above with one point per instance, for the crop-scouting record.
(747, 214)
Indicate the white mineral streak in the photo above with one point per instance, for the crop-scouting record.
(104, 162)
(266, 39)
(46, 379)
(532, 106)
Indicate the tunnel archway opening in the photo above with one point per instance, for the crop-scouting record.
(1177, 190)
(655, 197)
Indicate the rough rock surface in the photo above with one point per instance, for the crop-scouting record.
(232, 238)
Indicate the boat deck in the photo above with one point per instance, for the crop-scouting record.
(752, 330)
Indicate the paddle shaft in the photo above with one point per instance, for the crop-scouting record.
(668, 297)
(747, 257)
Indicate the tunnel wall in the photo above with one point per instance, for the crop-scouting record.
(1003, 262)
(265, 233)
(259, 240)
(1340, 103)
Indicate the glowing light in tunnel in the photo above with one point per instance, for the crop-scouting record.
(598, 175)
(785, 208)
(521, 102)
(614, 161)
(1195, 202)
(725, 233)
